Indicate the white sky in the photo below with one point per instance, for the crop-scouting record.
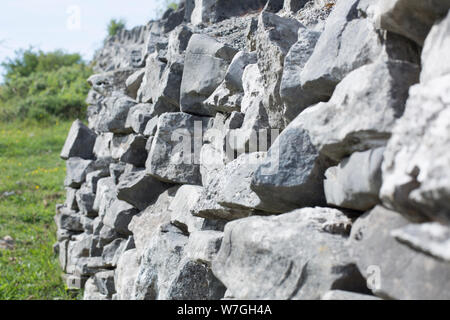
(53, 24)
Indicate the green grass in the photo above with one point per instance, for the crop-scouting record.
(31, 168)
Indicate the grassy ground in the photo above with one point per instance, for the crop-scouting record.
(31, 183)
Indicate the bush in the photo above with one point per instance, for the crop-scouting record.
(44, 85)
(115, 26)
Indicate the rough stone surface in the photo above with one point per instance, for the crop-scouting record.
(411, 18)
(126, 273)
(437, 45)
(139, 189)
(356, 181)
(145, 225)
(79, 143)
(205, 67)
(431, 238)
(162, 274)
(347, 295)
(377, 92)
(299, 255)
(348, 42)
(296, 99)
(393, 269)
(231, 189)
(292, 174)
(275, 36)
(175, 152)
(413, 183)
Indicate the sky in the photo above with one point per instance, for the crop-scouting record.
(71, 25)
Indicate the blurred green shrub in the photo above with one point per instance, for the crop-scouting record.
(42, 85)
(115, 25)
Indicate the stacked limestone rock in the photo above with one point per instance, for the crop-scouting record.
(169, 196)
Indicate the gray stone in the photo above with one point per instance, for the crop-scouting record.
(298, 255)
(194, 281)
(79, 143)
(348, 42)
(377, 92)
(105, 195)
(217, 10)
(139, 189)
(88, 224)
(138, 117)
(274, 38)
(176, 161)
(161, 85)
(180, 208)
(105, 282)
(116, 170)
(126, 273)
(346, 295)
(111, 82)
(213, 155)
(228, 95)
(68, 220)
(119, 216)
(230, 188)
(114, 113)
(394, 270)
(102, 145)
(71, 201)
(415, 175)
(151, 127)
(292, 174)
(236, 69)
(133, 83)
(145, 225)
(85, 201)
(294, 5)
(205, 67)
(178, 42)
(296, 99)
(254, 133)
(165, 275)
(430, 238)
(234, 121)
(93, 177)
(203, 246)
(224, 99)
(435, 51)
(110, 250)
(130, 149)
(75, 282)
(411, 18)
(355, 183)
(91, 292)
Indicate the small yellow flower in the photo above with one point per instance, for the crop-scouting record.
(37, 187)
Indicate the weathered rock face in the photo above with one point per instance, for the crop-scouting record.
(380, 89)
(275, 36)
(394, 269)
(356, 181)
(175, 152)
(220, 136)
(205, 66)
(411, 18)
(292, 174)
(265, 258)
(217, 10)
(79, 143)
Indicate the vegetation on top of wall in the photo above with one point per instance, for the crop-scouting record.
(41, 86)
(115, 26)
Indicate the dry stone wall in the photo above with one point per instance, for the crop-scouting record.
(265, 150)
